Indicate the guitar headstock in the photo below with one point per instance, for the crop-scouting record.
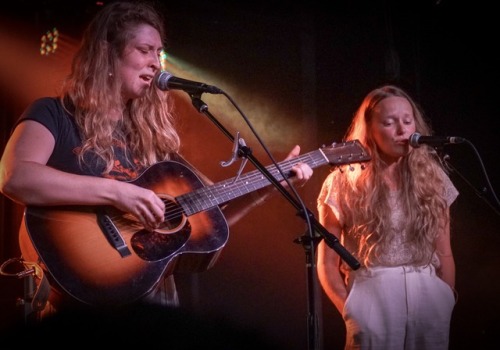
(349, 152)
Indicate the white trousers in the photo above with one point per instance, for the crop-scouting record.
(398, 308)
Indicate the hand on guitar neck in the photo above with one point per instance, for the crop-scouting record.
(238, 209)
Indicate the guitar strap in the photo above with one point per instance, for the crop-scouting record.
(42, 290)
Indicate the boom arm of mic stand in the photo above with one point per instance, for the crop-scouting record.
(329, 238)
(334, 243)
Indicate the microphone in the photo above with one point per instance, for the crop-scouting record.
(166, 81)
(416, 140)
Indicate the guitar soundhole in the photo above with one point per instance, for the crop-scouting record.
(153, 246)
(167, 239)
(174, 217)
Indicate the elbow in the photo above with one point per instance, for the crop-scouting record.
(9, 188)
(5, 184)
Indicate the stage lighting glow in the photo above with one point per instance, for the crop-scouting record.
(163, 59)
(48, 42)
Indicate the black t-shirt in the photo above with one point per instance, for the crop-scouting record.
(49, 112)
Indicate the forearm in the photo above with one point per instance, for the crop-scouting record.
(334, 288)
(447, 269)
(330, 278)
(30, 183)
(444, 251)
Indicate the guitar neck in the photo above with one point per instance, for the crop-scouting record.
(221, 192)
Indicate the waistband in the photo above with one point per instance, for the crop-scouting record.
(405, 269)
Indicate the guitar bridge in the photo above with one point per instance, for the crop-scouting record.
(112, 234)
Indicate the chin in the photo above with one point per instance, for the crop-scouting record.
(138, 94)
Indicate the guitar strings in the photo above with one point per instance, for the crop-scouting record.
(205, 197)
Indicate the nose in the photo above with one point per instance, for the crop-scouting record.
(155, 62)
(401, 128)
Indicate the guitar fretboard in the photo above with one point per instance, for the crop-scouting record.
(211, 196)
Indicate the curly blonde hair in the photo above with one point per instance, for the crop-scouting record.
(363, 195)
(90, 91)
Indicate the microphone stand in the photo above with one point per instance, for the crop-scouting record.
(444, 158)
(309, 241)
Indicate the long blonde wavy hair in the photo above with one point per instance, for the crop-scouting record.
(364, 194)
(91, 91)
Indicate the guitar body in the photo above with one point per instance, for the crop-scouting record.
(84, 262)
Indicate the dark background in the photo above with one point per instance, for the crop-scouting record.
(299, 70)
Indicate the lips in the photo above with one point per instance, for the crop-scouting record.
(147, 78)
(401, 142)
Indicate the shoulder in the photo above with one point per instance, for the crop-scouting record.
(330, 186)
(450, 192)
(43, 103)
(42, 109)
(49, 112)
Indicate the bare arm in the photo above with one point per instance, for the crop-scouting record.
(443, 248)
(328, 262)
(26, 179)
